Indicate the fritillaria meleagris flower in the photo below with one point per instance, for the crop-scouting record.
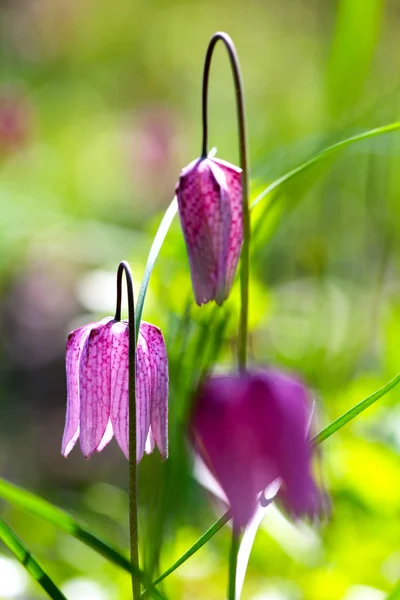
(251, 429)
(209, 195)
(97, 388)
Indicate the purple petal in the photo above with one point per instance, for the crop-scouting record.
(233, 237)
(225, 438)
(159, 385)
(143, 387)
(95, 386)
(300, 494)
(75, 344)
(209, 195)
(250, 429)
(198, 195)
(120, 390)
(119, 413)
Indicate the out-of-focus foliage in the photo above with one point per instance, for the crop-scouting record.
(99, 111)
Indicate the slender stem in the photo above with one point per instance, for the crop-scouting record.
(243, 153)
(233, 555)
(133, 517)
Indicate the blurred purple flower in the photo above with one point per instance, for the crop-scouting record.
(15, 121)
(97, 388)
(209, 194)
(252, 429)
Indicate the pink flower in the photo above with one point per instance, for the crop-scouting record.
(97, 388)
(209, 194)
(252, 429)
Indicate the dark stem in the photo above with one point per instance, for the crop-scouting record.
(133, 517)
(233, 555)
(243, 153)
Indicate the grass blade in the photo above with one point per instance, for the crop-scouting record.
(356, 410)
(359, 137)
(153, 254)
(62, 520)
(24, 556)
(193, 549)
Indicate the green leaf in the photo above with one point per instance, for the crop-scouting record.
(359, 137)
(153, 254)
(24, 556)
(62, 520)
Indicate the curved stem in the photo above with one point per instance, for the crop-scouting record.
(133, 518)
(243, 153)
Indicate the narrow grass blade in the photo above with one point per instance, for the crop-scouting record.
(153, 254)
(193, 549)
(62, 520)
(23, 555)
(359, 137)
(356, 410)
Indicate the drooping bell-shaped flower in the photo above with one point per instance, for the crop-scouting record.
(251, 429)
(97, 388)
(209, 195)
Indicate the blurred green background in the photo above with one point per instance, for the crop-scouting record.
(99, 111)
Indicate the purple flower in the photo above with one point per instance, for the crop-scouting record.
(97, 388)
(209, 194)
(251, 429)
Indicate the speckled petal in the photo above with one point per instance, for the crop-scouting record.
(212, 225)
(233, 228)
(95, 387)
(198, 196)
(159, 386)
(75, 344)
(119, 413)
(143, 383)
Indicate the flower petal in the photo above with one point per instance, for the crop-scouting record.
(223, 433)
(143, 387)
(233, 235)
(75, 344)
(299, 492)
(159, 385)
(198, 195)
(95, 387)
(119, 413)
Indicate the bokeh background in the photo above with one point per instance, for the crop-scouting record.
(99, 111)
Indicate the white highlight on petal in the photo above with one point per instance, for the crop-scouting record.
(107, 437)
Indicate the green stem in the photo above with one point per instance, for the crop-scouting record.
(245, 257)
(133, 517)
(233, 564)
